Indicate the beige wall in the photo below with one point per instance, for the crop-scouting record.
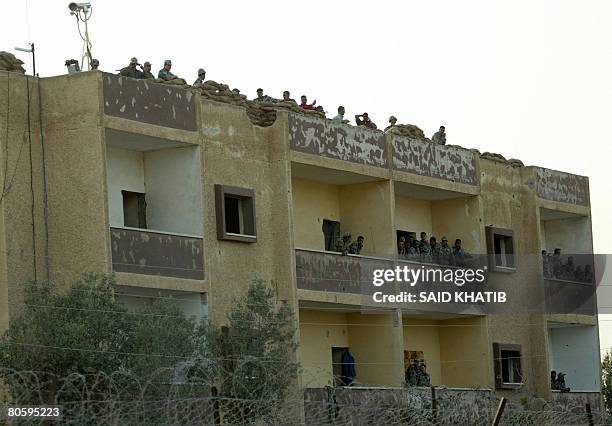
(459, 218)
(464, 353)
(413, 215)
(319, 332)
(376, 344)
(365, 209)
(313, 202)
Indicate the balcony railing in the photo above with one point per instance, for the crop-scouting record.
(142, 251)
(570, 297)
(353, 274)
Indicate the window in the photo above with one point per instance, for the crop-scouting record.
(507, 360)
(331, 232)
(235, 209)
(500, 247)
(134, 209)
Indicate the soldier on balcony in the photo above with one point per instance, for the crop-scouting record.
(458, 253)
(356, 247)
(344, 244)
(435, 250)
(446, 254)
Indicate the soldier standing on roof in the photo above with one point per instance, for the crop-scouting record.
(165, 73)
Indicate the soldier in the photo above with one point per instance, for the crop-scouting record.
(413, 250)
(263, 98)
(556, 263)
(364, 120)
(131, 70)
(412, 373)
(579, 275)
(287, 97)
(146, 71)
(553, 380)
(458, 253)
(401, 248)
(569, 269)
(435, 250)
(201, 76)
(95, 64)
(356, 247)
(392, 122)
(423, 377)
(165, 73)
(446, 254)
(561, 383)
(439, 137)
(424, 248)
(588, 274)
(343, 245)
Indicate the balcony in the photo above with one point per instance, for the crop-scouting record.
(570, 297)
(141, 251)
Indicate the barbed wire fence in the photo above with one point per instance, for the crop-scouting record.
(187, 396)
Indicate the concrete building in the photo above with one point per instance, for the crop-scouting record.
(183, 195)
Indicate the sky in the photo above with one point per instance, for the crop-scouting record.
(529, 79)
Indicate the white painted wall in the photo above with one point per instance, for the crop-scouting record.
(174, 190)
(124, 172)
(170, 178)
(573, 350)
(136, 299)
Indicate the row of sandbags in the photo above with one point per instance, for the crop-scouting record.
(260, 113)
(9, 62)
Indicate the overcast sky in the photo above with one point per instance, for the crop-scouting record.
(526, 79)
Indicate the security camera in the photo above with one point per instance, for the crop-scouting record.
(75, 7)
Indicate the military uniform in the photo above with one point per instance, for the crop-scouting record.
(132, 72)
(425, 250)
(355, 248)
(343, 245)
(459, 256)
(165, 75)
(439, 138)
(446, 255)
(435, 252)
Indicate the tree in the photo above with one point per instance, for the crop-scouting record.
(606, 380)
(256, 351)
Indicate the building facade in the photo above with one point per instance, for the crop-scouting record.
(182, 195)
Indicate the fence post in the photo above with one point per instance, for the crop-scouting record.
(500, 411)
(589, 414)
(434, 405)
(216, 411)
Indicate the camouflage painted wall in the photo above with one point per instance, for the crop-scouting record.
(439, 161)
(151, 253)
(564, 187)
(143, 101)
(340, 141)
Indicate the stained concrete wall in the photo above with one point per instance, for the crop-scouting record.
(76, 176)
(312, 203)
(229, 139)
(323, 137)
(447, 162)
